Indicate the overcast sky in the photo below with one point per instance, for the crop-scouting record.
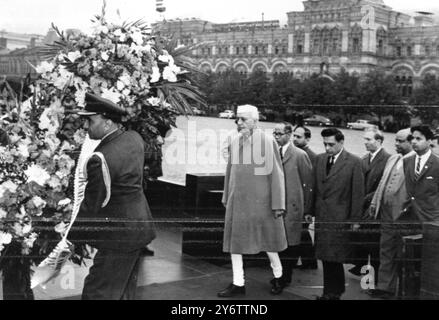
(35, 16)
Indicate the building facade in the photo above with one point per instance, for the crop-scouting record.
(328, 35)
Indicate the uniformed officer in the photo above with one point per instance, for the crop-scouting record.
(114, 198)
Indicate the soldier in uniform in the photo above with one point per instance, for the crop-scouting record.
(114, 197)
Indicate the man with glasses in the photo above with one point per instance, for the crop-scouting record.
(254, 197)
(298, 184)
(338, 195)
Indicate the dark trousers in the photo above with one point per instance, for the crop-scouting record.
(289, 258)
(333, 278)
(113, 276)
(307, 251)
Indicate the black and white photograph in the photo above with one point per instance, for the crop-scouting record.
(241, 152)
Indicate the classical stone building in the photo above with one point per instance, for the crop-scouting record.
(328, 35)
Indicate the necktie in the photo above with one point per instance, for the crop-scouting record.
(329, 165)
(281, 154)
(370, 158)
(418, 168)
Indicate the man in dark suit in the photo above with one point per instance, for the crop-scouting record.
(114, 197)
(422, 178)
(298, 190)
(307, 251)
(367, 241)
(339, 195)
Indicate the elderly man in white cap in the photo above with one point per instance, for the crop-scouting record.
(254, 197)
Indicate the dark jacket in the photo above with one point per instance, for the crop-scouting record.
(125, 222)
(338, 202)
(372, 174)
(423, 193)
(311, 155)
(4, 139)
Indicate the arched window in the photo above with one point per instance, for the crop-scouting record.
(409, 51)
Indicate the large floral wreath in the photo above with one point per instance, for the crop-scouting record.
(127, 64)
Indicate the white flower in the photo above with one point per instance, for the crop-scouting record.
(37, 174)
(155, 74)
(5, 238)
(9, 185)
(65, 202)
(38, 202)
(23, 150)
(137, 37)
(29, 241)
(120, 85)
(45, 67)
(105, 56)
(164, 58)
(154, 101)
(120, 34)
(99, 28)
(73, 55)
(170, 74)
(3, 214)
(126, 92)
(80, 98)
(111, 95)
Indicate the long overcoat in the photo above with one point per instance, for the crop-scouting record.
(254, 186)
(298, 183)
(338, 202)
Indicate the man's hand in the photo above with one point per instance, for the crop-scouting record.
(225, 205)
(308, 218)
(278, 213)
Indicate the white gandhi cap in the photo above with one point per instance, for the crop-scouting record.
(248, 109)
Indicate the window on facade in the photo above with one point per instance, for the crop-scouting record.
(437, 50)
(409, 51)
(284, 50)
(209, 51)
(325, 46)
(276, 50)
(244, 50)
(256, 50)
(220, 50)
(398, 51)
(237, 50)
(299, 49)
(380, 47)
(335, 45)
(316, 46)
(427, 50)
(355, 45)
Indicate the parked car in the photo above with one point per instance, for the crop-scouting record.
(227, 114)
(317, 120)
(361, 125)
(198, 112)
(262, 117)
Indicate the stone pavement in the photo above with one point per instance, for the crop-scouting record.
(170, 275)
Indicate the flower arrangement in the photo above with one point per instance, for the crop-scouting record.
(126, 64)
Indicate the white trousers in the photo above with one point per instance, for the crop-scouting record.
(238, 267)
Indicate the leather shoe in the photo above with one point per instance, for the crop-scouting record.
(277, 286)
(231, 291)
(327, 297)
(146, 252)
(380, 294)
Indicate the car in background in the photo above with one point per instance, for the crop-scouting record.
(227, 114)
(198, 112)
(361, 125)
(317, 120)
(262, 117)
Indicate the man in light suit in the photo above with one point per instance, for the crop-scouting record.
(298, 184)
(254, 197)
(422, 177)
(367, 241)
(387, 204)
(338, 206)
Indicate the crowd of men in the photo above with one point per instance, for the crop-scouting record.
(363, 207)
(275, 186)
